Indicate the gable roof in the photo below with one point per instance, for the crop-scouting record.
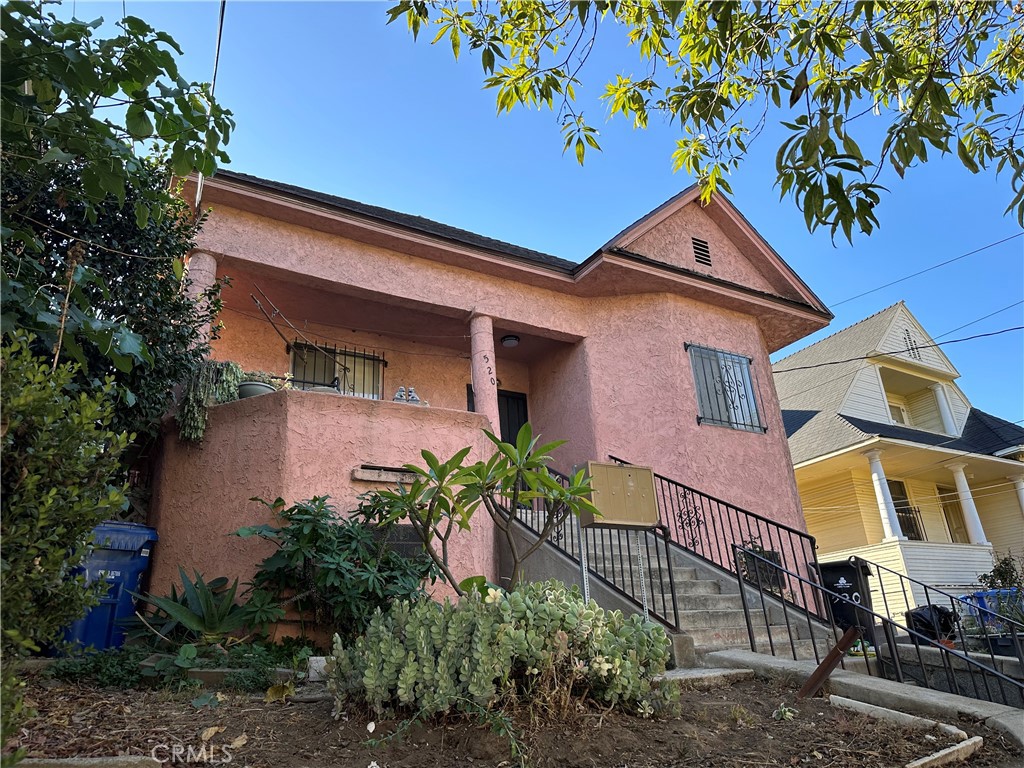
(813, 382)
(733, 224)
(405, 220)
(819, 376)
(786, 312)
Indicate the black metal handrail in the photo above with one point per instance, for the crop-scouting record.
(957, 672)
(708, 527)
(611, 558)
(978, 636)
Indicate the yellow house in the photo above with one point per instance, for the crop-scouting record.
(893, 464)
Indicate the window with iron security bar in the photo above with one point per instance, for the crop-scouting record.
(355, 372)
(726, 396)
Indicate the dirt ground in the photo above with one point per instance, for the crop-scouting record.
(728, 728)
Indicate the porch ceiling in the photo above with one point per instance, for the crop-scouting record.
(901, 459)
(348, 310)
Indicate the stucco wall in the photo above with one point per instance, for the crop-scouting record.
(671, 243)
(614, 379)
(294, 445)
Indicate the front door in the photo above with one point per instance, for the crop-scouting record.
(511, 413)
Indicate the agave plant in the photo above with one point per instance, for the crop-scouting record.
(208, 611)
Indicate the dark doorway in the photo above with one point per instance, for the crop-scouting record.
(511, 413)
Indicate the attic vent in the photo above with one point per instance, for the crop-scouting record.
(701, 251)
(910, 345)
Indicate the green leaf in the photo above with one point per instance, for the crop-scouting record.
(799, 86)
(142, 217)
(137, 122)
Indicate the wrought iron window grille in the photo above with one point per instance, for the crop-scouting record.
(726, 392)
(357, 372)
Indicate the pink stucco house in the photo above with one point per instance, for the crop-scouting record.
(654, 349)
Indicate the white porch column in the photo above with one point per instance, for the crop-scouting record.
(200, 274)
(974, 530)
(1018, 483)
(945, 412)
(890, 522)
(485, 377)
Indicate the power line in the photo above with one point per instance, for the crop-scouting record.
(837, 378)
(986, 317)
(900, 351)
(929, 269)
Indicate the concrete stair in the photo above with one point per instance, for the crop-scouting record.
(709, 610)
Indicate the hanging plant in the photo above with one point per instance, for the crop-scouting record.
(211, 383)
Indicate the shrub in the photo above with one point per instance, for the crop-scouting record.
(59, 463)
(337, 572)
(534, 644)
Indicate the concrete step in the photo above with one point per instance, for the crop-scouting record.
(615, 569)
(711, 618)
(737, 637)
(697, 602)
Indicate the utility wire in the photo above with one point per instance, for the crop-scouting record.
(929, 269)
(213, 86)
(899, 351)
(986, 317)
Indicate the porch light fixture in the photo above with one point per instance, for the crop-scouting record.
(510, 341)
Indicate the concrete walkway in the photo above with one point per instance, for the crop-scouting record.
(946, 707)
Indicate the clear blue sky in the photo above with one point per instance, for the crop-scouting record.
(329, 97)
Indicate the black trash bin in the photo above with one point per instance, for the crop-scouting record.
(936, 622)
(849, 580)
(120, 557)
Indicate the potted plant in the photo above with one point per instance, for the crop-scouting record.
(260, 383)
(211, 382)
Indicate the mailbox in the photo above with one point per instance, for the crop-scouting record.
(624, 495)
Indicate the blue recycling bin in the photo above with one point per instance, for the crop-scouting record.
(120, 557)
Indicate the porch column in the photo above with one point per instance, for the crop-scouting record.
(200, 273)
(485, 377)
(948, 423)
(1018, 483)
(974, 530)
(890, 521)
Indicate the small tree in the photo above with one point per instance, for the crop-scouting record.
(445, 495)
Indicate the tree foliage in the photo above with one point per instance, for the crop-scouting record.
(857, 85)
(115, 275)
(445, 494)
(80, 116)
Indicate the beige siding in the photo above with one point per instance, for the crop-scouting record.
(960, 407)
(895, 342)
(866, 399)
(925, 497)
(952, 568)
(832, 512)
(924, 411)
(1001, 517)
(868, 503)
